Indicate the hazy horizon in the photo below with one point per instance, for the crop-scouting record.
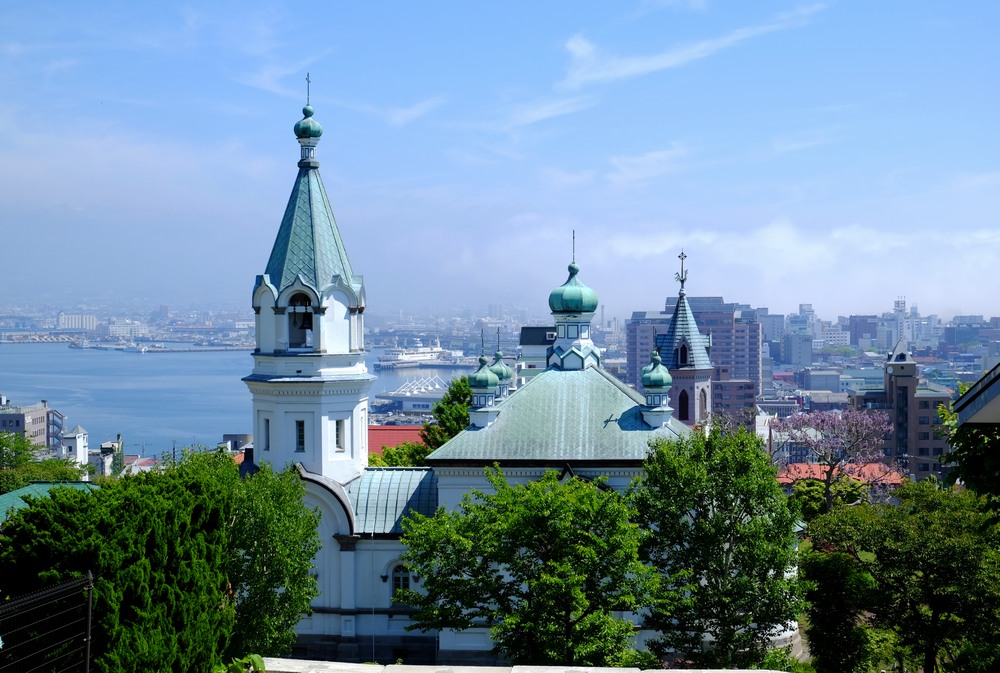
(838, 154)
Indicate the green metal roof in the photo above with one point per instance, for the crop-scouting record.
(382, 496)
(684, 328)
(308, 242)
(13, 501)
(558, 417)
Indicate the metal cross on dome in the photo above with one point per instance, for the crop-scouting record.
(682, 276)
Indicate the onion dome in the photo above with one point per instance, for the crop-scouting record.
(655, 375)
(500, 368)
(307, 127)
(573, 296)
(484, 377)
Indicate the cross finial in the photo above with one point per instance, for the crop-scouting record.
(308, 82)
(682, 276)
(482, 342)
(574, 245)
(498, 337)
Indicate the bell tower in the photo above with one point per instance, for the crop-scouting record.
(309, 381)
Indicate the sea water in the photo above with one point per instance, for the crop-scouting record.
(157, 401)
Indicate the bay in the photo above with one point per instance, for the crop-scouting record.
(156, 401)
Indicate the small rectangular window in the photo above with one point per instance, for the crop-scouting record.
(340, 439)
(267, 434)
(300, 436)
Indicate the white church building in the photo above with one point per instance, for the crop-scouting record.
(310, 397)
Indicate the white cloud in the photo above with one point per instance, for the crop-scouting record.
(589, 66)
(802, 140)
(402, 116)
(539, 111)
(559, 178)
(632, 169)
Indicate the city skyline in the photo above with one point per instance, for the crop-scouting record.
(833, 154)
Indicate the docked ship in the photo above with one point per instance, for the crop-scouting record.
(418, 356)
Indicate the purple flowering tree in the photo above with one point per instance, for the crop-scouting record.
(836, 439)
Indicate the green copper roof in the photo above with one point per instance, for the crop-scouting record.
(308, 242)
(573, 296)
(484, 377)
(500, 368)
(382, 496)
(307, 127)
(655, 375)
(684, 329)
(560, 416)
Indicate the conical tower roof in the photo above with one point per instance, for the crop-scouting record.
(684, 346)
(308, 244)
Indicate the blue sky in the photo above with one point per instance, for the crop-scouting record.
(840, 153)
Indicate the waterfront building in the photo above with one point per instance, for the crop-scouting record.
(39, 422)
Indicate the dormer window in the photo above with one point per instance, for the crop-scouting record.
(683, 359)
(300, 321)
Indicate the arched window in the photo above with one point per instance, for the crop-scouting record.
(684, 354)
(683, 412)
(703, 405)
(300, 321)
(400, 579)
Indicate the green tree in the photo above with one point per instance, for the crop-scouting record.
(808, 495)
(178, 555)
(723, 545)
(51, 469)
(15, 451)
(974, 458)
(156, 543)
(838, 593)
(274, 539)
(451, 414)
(935, 562)
(407, 454)
(546, 565)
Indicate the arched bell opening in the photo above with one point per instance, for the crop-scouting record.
(300, 321)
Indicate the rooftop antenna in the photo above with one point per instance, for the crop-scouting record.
(308, 82)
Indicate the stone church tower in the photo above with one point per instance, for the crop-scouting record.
(685, 353)
(309, 382)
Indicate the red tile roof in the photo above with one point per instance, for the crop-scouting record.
(380, 436)
(868, 473)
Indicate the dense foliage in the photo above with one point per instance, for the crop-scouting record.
(934, 560)
(178, 555)
(547, 565)
(808, 495)
(724, 548)
(407, 454)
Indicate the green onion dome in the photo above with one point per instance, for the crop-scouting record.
(500, 368)
(573, 296)
(655, 375)
(307, 127)
(483, 378)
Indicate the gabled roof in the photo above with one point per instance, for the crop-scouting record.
(684, 328)
(560, 417)
(382, 496)
(308, 243)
